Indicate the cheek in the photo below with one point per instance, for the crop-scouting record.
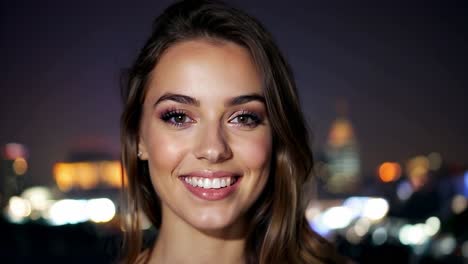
(165, 153)
(255, 152)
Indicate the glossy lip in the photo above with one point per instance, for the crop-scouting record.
(211, 194)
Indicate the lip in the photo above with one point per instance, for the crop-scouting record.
(211, 194)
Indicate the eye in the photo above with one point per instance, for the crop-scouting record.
(176, 118)
(246, 118)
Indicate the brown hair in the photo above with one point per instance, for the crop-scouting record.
(279, 232)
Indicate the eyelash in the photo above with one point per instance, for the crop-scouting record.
(254, 117)
(170, 115)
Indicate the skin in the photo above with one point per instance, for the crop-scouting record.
(207, 133)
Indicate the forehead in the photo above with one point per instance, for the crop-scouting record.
(205, 68)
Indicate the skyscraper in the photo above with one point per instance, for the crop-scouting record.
(342, 156)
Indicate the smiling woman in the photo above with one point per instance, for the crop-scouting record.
(195, 134)
(214, 144)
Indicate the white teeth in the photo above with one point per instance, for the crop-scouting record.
(208, 183)
(223, 183)
(216, 184)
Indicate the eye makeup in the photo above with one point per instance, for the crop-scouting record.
(176, 117)
(242, 118)
(246, 118)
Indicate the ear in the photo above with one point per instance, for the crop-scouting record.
(142, 149)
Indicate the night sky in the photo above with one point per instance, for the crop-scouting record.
(402, 70)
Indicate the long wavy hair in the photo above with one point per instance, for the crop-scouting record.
(278, 231)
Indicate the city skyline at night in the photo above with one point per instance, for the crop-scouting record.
(401, 69)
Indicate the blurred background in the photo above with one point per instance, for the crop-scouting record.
(383, 86)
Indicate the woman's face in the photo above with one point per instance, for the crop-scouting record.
(206, 134)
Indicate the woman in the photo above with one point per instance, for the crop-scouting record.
(214, 144)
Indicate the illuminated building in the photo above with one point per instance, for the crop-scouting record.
(87, 171)
(13, 168)
(342, 156)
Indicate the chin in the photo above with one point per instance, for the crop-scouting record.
(217, 222)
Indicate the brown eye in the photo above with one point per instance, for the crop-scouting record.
(243, 119)
(248, 119)
(179, 118)
(176, 118)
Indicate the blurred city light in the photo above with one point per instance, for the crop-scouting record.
(68, 211)
(13, 151)
(459, 204)
(432, 226)
(389, 171)
(445, 245)
(379, 236)
(417, 170)
(404, 190)
(418, 234)
(64, 176)
(356, 204)
(20, 166)
(375, 209)
(87, 175)
(39, 197)
(372, 208)
(361, 227)
(312, 212)
(111, 173)
(465, 178)
(337, 217)
(413, 234)
(100, 210)
(18, 209)
(352, 237)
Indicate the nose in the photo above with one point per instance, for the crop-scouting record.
(212, 144)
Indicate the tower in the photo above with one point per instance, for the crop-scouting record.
(342, 155)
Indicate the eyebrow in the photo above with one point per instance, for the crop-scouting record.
(184, 99)
(179, 98)
(243, 99)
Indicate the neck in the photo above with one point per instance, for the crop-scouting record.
(179, 242)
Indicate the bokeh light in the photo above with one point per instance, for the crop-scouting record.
(376, 209)
(417, 170)
(20, 166)
(389, 171)
(459, 204)
(18, 209)
(337, 217)
(100, 210)
(63, 174)
(379, 236)
(404, 190)
(68, 211)
(111, 173)
(413, 234)
(432, 226)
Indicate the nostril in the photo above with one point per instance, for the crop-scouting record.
(212, 143)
